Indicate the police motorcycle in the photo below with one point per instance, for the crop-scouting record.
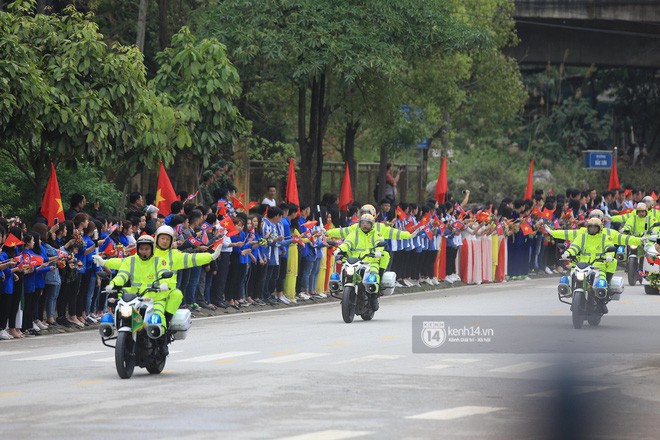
(586, 293)
(631, 255)
(651, 267)
(137, 330)
(357, 284)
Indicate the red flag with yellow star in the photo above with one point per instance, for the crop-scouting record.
(165, 194)
(51, 206)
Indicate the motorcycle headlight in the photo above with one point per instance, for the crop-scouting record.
(350, 270)
(633, 247)
(125, 311)
(579, 276)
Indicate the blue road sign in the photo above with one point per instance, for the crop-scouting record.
(598, 160)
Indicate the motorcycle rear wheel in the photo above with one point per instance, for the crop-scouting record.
(631, 268)
(368, 316)
(157, 368)
(578, 317)
(347, 307)
(124, 355)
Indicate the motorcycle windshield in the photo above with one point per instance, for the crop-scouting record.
(582, 265)
(353, 260)
(128, 297)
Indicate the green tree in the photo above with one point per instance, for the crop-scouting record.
(319, 47)
(90, 100)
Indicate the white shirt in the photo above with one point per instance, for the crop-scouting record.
(269, 202)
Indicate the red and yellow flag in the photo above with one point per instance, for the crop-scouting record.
(51, 206)
(165, 194)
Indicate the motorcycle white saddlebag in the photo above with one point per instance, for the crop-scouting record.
(616, 288)
(387, 283)
(181, 322)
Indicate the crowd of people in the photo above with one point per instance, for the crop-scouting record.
(273, 252)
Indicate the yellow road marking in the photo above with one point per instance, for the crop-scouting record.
(626, 302)
(89, 382)
(390, 337)
(168, 371)
(10, 393)
(339, 344)
(283, 352)
(225, 361)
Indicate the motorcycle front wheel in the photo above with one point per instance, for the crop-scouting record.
(631, 268)
(578, 317)
(125, 355)
(347, 307)
(594, 320)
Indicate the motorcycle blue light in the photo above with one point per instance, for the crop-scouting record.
(107, 319)
(371, 278)
(601, 283)
(155, 319)
(335, 276)
(563, 280)
(621, 250)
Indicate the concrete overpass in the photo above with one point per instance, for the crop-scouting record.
(585, 32)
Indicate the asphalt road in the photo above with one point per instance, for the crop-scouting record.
(303, 373)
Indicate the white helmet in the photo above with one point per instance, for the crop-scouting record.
(145, 239)
(597, 213)
(641, 207)
(648, 200)
(167, 230)
(368, 209)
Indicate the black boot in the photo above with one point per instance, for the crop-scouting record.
(374, 302)
(168, 319)
(603, 308)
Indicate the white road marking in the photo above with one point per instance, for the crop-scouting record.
(11, 353)
(455, 413)
(462, 360)
(66, 354)
(371, 358)
(439, 366)
(604, 369)
(574, 391)
(291, 358)
(638, 372)
(328, 435)
(520, 368)
(218, 356)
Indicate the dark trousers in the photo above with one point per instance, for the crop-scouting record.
(40, 306)
(451, 260)
(28, 310)
(220, 278)
(67, 297)
(280, 278)
(83, 288)
(272, 273)
(8, 309)
(256, 283)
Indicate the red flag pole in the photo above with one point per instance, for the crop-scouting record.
(441, 188)
(614, 175)
(346, 194)
(529, 191)
(292, 184)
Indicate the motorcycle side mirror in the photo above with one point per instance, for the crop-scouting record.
(656, 224)
(381, 244)
(611, 249)
(166, 275)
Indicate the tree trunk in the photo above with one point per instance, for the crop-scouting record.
(142, 24)
(382, 172)
(306, 154)
(163, 24)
